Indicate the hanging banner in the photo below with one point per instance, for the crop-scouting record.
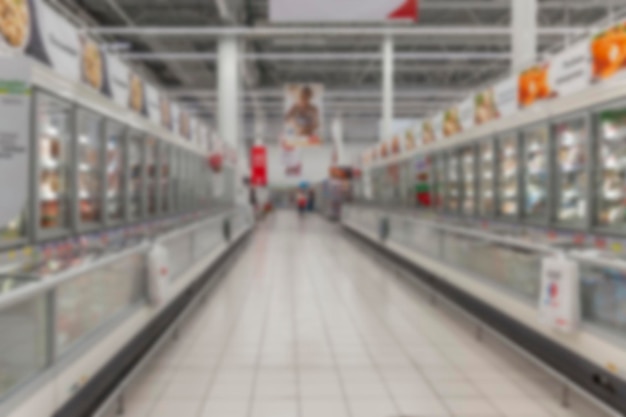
(558, 302)
(303, 115)
(282, 11)
(15, 93)
(258, 166)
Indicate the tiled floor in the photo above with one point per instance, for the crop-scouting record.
(308, 325)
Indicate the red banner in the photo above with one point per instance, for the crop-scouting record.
(258, 166)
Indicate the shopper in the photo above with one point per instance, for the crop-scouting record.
(311, 201)
(301, 201)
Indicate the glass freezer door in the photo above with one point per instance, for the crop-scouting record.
(54, 133)
(572, 147)
(486, 177)
(439, 182)
(468, 156)
(454, 183)
(424, 189)
(114, 171)
(611, 172)
(508, 190)
(135, 176)
(536, 173)
(164, 177)
(89, 166)
(152, 171)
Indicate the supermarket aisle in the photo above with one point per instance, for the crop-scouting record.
(308, 325)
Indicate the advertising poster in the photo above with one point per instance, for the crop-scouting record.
(15, 93)
(258, 166)
(410, 139)
(451, 122)
(303, 115)
(342, 11)
(428, 133)
(384, 150)
(498, 101)
(165, 112)
(153, 105)
(558, 302)
(437, 125)
(466, 114)
(292, 160)
(396, 145)
(608, 53)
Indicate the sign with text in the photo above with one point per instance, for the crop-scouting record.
(258, 166)
(558, 298)
(342, 10)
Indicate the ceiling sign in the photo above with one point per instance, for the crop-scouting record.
(342, 10)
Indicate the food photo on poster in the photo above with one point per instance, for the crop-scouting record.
(303, 115)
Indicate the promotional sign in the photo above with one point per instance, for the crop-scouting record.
(258, 166)
(342, 11)
(15, 93)
(409, 139)
(565, 74)
(292, 160)
(159, 274)
(451, 122)
(33, 28)
(303, 115)
(428, 133)
(558, 299)
(498, 101)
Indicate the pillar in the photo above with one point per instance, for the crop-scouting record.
(228, 112)
(388, 99)
(523, 33)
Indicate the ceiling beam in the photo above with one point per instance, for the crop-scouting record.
(324, 31)
(415, 92)
(316, 56)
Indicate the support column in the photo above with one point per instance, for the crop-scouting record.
(228, 114)
(228, 83)
(388, 99)
(523, 33)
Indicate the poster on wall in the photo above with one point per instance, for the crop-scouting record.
(15, 90)
(303, 115)
(342, 11)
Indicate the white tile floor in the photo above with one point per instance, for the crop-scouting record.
(308, 325)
